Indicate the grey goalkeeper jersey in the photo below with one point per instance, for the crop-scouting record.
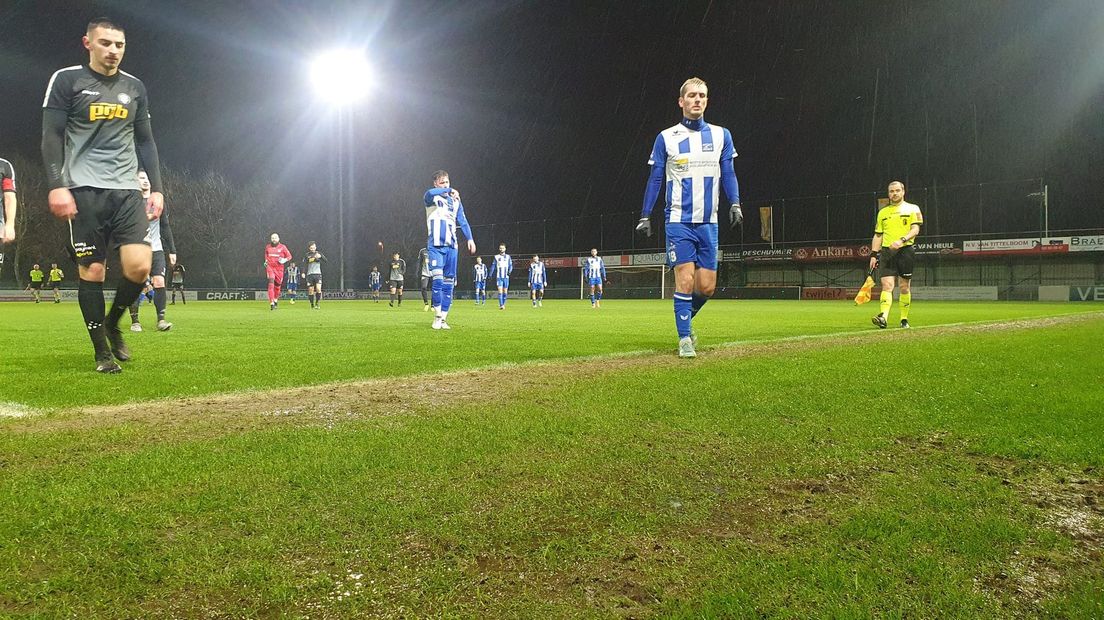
(99, 132)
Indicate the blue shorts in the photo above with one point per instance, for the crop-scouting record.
(596, 281)
(292, 286)
(479, 286)
(692, 243)
(375, 287)
(442, 261)
(537, 287)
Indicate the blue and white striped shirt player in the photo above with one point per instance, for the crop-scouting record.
(480, 273)
(538, 275)
(503, 265)
(696, 159)
(595, 269)
(443, 213)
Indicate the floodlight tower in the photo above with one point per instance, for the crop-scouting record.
(341, 79)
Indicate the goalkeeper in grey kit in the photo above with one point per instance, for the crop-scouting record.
(314, 261)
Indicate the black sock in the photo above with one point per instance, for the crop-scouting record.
(125, 295)
(134, 313)
(425, 297)
(159, 302)
(392, 298)
(400, 298)
(90, 297)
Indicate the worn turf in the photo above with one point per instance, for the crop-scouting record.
(218, 347)
(940, 472)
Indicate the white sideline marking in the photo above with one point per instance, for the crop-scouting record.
(15, 410)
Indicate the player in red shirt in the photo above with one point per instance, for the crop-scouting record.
(276, 255)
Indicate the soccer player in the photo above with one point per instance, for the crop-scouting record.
(443, 212)
(276, 255)
(56, 276)
(11, 202)
(178, 284)
(426, 274)
(538, 279)
(899, 221)
(395, 278)
(480, 282)
(374, 283)
(503, 265)
(314, 274)
(160, 238)
(35, 285)
(695, 159)
(595, 269)
(292, 280)
(96, 134)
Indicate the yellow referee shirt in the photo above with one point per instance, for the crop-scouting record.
(895, 221)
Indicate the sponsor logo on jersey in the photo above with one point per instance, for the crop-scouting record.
(106, 111)
(707, 147)
(94, 93)
(124, 98)
(681, 164)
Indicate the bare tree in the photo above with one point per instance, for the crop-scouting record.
(40, 238)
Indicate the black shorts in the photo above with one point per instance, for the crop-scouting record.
(899, 263)
(396, 283)
(178, 286)
(427, 282)
(55, 285)
(314, 279)
(158, 268)
(36, 286)
(117, 216)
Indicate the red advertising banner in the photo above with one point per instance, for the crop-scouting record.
(832, 253)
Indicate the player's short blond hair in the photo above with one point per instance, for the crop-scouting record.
(892, 183)
(694, 81)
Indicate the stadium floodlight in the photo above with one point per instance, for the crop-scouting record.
(341, 77)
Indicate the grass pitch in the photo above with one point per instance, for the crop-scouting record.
(496, 470)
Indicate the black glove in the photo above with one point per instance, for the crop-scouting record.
(735, 216)
(644, 226)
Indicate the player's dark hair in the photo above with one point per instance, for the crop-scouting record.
(106, 23)
(439, 174)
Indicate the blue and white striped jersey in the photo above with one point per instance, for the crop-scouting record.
(695, 158)
(373, 278)
(538, 274)
(480, 272)
(503, 265)
(443, 213)
(595, 267)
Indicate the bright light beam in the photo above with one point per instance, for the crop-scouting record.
(341, 77)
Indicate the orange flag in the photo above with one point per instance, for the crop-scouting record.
(864, 293)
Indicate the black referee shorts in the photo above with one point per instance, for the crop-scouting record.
(899, 263)
(117, 216)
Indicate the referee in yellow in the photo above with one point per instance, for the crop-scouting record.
(899, 221)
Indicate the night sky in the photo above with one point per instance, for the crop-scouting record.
(546, 109)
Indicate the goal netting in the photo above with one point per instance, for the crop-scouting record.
(632, 282)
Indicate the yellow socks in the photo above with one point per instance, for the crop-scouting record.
(886, 302)
(906, 301)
